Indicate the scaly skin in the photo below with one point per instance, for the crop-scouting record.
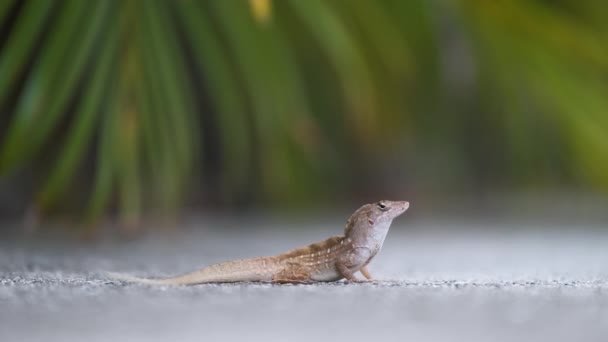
(333, 259)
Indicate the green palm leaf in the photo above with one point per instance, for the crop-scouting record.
(297, 100)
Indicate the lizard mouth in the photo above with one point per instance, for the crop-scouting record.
(404, 205)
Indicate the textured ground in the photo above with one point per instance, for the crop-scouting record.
(447, 282)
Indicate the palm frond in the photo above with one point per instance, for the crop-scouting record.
(287, 101)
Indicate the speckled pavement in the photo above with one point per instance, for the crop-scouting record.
(442, 281)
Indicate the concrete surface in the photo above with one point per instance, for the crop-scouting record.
(444, 281)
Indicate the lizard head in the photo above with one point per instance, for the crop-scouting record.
(385, 211)
(378, 215)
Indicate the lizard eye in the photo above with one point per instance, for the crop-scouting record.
(382, 207)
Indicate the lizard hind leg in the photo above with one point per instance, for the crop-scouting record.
(293, 273)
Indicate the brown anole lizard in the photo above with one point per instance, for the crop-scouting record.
(333, 259)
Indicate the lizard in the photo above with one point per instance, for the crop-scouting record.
(336, 258)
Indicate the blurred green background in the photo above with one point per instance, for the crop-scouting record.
(143, 108)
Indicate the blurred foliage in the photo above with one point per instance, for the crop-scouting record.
(134, 105)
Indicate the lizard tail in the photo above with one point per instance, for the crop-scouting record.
(133, 279)
(257, 269)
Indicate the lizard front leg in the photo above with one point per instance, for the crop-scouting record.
(366, 273)
(347, 273)
(353, 261)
